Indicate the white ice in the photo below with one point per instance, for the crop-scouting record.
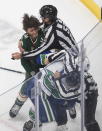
(78, 18)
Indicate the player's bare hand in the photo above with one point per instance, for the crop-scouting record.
(16, 55)
(46, 62)
(57, 75)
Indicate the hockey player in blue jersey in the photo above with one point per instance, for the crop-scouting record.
(60, 83)
(56, 99)
(63, 91)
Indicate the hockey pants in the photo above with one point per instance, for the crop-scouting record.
(50, 109)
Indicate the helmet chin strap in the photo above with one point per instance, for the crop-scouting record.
(48, 23)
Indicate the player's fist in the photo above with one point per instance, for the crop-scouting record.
(16, 55)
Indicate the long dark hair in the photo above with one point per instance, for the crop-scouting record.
(30, 21)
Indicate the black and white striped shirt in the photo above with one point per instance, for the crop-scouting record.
(59, 37)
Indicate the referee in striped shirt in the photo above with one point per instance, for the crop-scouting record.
(57, 34)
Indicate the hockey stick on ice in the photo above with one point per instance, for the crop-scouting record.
(15, 71)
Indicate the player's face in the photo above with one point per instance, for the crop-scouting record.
(33, 32)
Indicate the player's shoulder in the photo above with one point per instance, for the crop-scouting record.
(25, 36)
(59, 23)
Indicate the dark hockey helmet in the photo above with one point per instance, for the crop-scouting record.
(48, 11)
(73, 78)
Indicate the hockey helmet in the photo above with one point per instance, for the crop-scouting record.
(73, 78)
(48, 11)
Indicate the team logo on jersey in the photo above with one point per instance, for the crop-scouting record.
(26, 35)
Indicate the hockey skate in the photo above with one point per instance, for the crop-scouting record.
(15, 108)
(30, 126)
(62, 128)
(72, 112)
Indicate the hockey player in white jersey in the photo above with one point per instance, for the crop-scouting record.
(59, 86)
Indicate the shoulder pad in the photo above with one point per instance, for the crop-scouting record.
(59, 20)
(25, 36)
